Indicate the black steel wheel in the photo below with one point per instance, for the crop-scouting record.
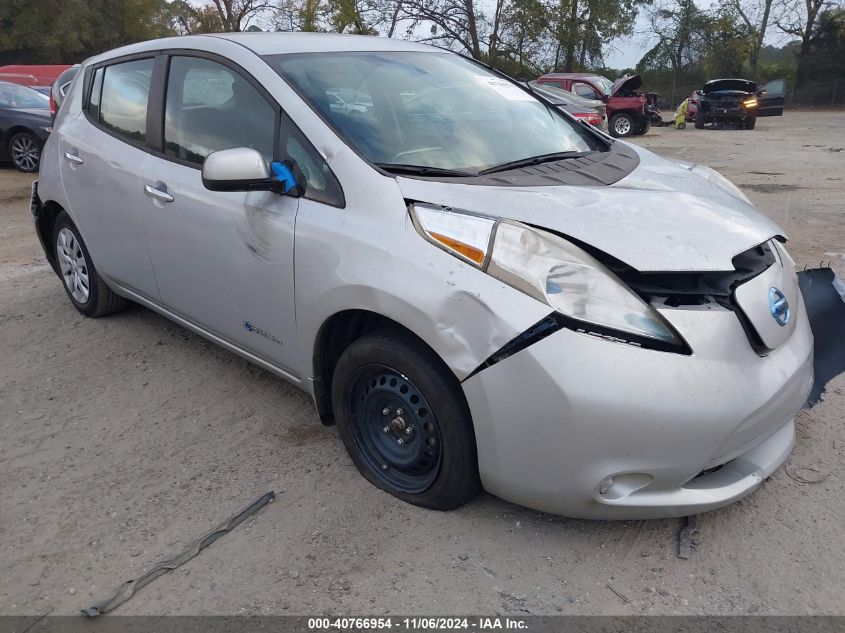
(394, 429)
(404, 421)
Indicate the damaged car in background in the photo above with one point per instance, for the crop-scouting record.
(738, 102)
(477, 289)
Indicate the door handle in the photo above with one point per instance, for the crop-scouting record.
(158, 194)
(74, 158)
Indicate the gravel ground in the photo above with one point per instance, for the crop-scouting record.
(122, 439)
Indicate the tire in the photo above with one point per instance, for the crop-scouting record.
(386, 383)
(621, 125)
(750, 122)
(682, 125)
(25, 152)
(699, 122)
(75, 268)
(644, 128)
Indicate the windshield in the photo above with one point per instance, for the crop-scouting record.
(605, 84)
(15, 96)
(433, 110)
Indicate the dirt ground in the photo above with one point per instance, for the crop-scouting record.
(122, 439)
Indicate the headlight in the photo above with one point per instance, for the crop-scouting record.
(47, 128)
(718, 179)
(552, 270)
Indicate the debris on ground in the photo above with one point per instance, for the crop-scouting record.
(806, 474)
(621, 595)
(685, 537)
(128, 589)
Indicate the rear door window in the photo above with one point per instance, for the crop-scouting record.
(775, 87)
(211, 107)
(584, 90)
(123, 101)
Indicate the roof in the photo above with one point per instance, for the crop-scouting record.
(571, 75)
(261, 43)
(278, 43)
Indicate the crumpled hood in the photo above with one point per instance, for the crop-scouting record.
(737, 85)
(660, 217)
(627, 83)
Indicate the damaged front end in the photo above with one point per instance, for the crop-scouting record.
(824, 297)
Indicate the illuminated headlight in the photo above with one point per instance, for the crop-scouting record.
(552, 270)
(719, 180)
(750, 102)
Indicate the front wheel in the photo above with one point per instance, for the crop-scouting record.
(644, 128)
(404, 421)
(621, 125)
(750, 122)
(25, 152)
(699, 122)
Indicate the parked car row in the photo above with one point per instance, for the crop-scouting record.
(593, 111)
(24, 125)
(625, 105)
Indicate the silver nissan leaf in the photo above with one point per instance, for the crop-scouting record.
(479, 290)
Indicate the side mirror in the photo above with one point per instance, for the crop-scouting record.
(244, 169)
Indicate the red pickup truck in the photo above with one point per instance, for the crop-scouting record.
(625, 104)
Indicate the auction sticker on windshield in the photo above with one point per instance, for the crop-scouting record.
(504, 88)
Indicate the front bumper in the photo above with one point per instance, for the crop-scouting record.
(583, 427)
(717, 113)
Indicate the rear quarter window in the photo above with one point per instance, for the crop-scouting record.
(121, 105)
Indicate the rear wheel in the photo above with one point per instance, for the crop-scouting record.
(85, 289)
(403, 419)
(621, 125)
(25, 151)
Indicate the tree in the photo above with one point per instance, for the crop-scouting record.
(235, 14)
(756, 15)
(451, 23)
(799, 18)
(524, 37)
(581, 28)
(68, 31)
(188, 19)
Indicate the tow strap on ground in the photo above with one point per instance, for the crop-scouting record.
(128, 589)
(824, 297)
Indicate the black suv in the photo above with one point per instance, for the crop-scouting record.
(738, 101)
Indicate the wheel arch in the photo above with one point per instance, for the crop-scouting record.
(15, 129)
(45, 222)
(334, 336)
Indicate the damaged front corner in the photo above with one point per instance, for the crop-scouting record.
(824, 298)
(471, 330)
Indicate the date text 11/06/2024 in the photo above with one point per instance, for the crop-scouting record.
(417, 624)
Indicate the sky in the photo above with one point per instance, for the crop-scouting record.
(625, 52)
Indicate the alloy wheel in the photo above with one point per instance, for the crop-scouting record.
(73, 266)
(25, 152)
(394, 428)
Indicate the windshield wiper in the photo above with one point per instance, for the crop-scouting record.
(422, 170)
(533, 160)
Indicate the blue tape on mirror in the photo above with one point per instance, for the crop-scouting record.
(283, 174)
